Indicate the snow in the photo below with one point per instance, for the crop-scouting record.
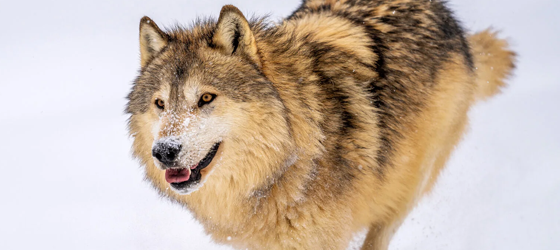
(69, 182)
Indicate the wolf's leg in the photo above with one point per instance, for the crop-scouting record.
(379, 235)
(376, 238)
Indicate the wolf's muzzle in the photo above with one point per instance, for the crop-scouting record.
(166, 151)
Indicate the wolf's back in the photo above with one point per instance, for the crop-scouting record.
(493, 61)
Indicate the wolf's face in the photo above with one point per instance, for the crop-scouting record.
(200, 104)
(188, 119)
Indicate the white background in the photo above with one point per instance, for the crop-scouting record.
(68, 181)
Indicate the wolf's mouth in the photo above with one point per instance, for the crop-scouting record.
(184, 177)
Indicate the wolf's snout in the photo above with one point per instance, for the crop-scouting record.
(166, 151)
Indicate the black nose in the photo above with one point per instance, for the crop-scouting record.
(166, 151)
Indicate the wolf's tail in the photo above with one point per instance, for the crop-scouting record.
(493, 62)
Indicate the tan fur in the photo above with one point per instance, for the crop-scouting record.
(494, 62)
(289, 174)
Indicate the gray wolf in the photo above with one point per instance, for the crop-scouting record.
(298, 134)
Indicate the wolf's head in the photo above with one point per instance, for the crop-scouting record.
(201, 109)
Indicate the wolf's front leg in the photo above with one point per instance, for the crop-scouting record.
(379, 236)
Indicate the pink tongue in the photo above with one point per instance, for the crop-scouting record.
(177, 175)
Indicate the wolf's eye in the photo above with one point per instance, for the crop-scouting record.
(160, 104)
(206, 98)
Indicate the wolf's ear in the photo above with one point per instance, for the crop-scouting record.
(233, 35)
(152, 40)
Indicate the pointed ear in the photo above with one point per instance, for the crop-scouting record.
(152, 40)
(233, 35)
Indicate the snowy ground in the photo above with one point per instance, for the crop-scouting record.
(68, 181)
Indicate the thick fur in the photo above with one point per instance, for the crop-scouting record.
(337, 119)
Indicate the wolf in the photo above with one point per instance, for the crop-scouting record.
(300, 133)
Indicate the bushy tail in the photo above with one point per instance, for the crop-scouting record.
(493, 62)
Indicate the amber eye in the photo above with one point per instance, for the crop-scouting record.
(160, 104)
(205, 99)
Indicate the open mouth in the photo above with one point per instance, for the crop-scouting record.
(181, 178)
